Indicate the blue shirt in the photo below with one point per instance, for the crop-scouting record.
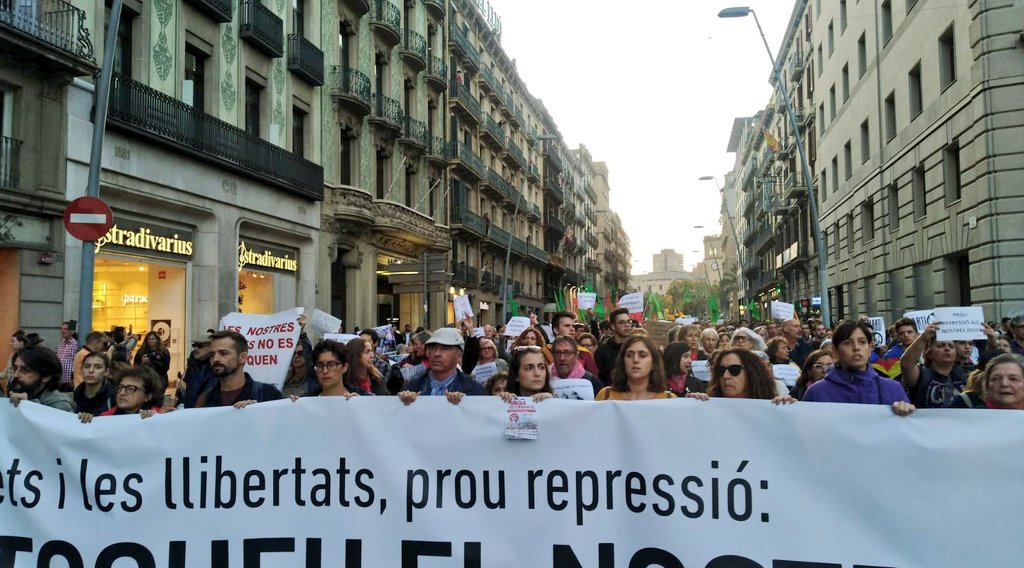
(438, 387)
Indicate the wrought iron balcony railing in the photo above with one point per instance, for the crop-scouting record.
(305, 60)
(262, 28)
(437, 71)
(458, 37)
(53, 22)
(10, 156)
(219, 11)
(460, 93)
(386, 18)
(414, 48)
(352, 84)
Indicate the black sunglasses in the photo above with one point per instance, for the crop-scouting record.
(733, 370)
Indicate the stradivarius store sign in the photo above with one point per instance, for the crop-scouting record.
(257, 256)
(137, 237)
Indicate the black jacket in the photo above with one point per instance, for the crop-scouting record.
(462, 383)
(252, 390)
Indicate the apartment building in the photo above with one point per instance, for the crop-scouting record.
(614, 254)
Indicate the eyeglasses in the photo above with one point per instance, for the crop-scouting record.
(128, 389)
(733, 370)
(330, 366)
(486, 349)
(740, 338)
(564, 353)
(530, 348)
(822, 367)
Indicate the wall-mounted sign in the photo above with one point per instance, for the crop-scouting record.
(259, 256)
(132, 236)
(129, 300)
(490, 16)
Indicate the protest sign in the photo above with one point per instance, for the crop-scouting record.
(921, 318)
(700, 370)
(323, 322)
(878, 325)
(633, 302)
(478, 331)
(165, 492)
(782, 310)
(658, 331)
(484, 371)
(387, 338)
(965, 323)
(686, 320)
(272, 339)
(573, 389)
(340, 337)
(586, 300)
(463, 309)
(548, 332)
(516, 326)
(786, 373)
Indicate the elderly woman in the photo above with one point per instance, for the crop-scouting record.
(853, 379)
(739, 373)
(745, 338)
(489, 354)
(709, 341)
(1002, 385)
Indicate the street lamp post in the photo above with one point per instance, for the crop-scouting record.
(741, 12)
(732, 227)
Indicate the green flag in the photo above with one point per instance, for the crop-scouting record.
(713, 308)
(513, 307)
(559, 300)
(686, 294)
(755, 311)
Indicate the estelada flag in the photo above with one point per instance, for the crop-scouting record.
(770, 140)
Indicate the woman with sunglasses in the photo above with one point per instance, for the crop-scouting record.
(533, 336)
(853, 379)
(528, 375)
(139, 391)
(745, 338)
(739, 373)
(817, 365)
(639, 373)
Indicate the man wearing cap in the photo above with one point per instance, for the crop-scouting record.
(444, 351)
(198, 375)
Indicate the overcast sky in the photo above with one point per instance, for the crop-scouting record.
(653, 92)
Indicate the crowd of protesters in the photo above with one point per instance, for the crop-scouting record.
(614, 359)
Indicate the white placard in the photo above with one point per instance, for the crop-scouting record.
(965, 323)
(516, 326)
(573, 389)
(463, 309)
(410, 372)
(633, 302)
(272, 339)
(921, 318)
(386, 333)
(586, 300)
(877, 323)
(782, 310)
(484, 371)
(522, 419)
(686, 320)
(786, 373)
(700, 370)
(478, 331)
(324, 322)
(340, 337)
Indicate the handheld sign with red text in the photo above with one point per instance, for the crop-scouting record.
(272, 341)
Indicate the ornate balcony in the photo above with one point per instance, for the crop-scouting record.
(464, 100)
(515, 156)
(796, 65)
(551, 154)
(414, 134)
(554, 223)
(554, 187)
(463, 158)
(459, 41)
(414, 49)
(46, 34)
(465, 219)
(359, 7)
(794, 186)
(490, 82)
(397, 221)
(219, 11)
(351, 89)
(435, 7)
(386, 22)
(501, 185)
(533, 172)
(493, 131)
(437, 74)
(438, 152)
(538, 253)
(386, 113)
(305, 60)
(349, 205)
(10, 158)
(261, 28)
(171, 123)
(497, 237)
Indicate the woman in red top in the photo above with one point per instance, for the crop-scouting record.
(139, 391)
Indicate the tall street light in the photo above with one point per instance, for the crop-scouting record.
(741, 12)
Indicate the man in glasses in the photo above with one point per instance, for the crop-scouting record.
(444, 351)
(198, 375)
(568, 367)
(608, 352)
(230, 350)
(1017, 331)
(565, 324)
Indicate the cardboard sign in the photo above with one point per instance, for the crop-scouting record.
(878, 324)
(701, 370)
(586, 300)
(516, 326)
(633, 302)
(686, 320)
(573, 389)
(272, 340)
(324, 322)
(965, 323)
(463, 309)
(782, 310)
(786, 373)
(921, 317)
(658, 331)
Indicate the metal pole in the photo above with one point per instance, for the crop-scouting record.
(101, 98)
(508, 258)
(811, 195)
(426, 303)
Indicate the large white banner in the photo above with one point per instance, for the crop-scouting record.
(325, 482)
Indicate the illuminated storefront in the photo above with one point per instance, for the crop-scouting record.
(266, 277)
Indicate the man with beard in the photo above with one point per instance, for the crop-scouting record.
(569, 367)
(198, 375)
(36, 376)
(236, 388)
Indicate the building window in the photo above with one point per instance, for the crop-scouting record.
(947, 58)
(919, 192)
(951, 172)
(867, 221)
(193, 90)
(253, 92)
(894, 207)
(914, 87)
(823, 188)
(865, 141)
(821, 117)
(848, 159)
(410, 187)
(862, 55)
(298, 16)
(835, 174)
(820, 66)
(832, 102)
(123, 46)
(380, 177)
(890, 116)
(846, 82)
(886, 21)
(831, 40)
(842, 16)
(849, 232)
(346, 156)
(298, 132)
(345, 33)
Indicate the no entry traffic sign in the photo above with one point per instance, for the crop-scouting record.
(88, 218)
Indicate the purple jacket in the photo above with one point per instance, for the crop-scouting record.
(857, 387)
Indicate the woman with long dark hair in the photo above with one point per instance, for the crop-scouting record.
(154, 355)
(528, 375)
(362, 373)
(639, 373)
